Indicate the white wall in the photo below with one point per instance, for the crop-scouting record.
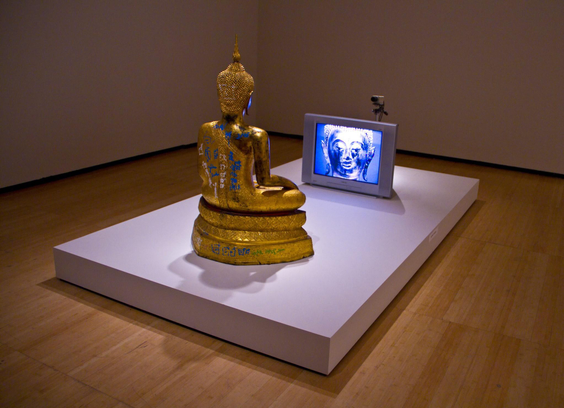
(91, 81)
(478, 80)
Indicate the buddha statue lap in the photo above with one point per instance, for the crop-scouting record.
(243, 221)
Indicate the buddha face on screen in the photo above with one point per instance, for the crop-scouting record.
(348, 152)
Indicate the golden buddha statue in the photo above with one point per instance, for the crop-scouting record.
(243, 221)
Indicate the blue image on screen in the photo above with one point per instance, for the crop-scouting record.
(344, 152)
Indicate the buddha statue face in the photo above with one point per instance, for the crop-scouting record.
(348, 152)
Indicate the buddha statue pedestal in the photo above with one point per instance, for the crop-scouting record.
(250, 238)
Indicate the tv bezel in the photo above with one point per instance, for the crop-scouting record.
(384, 188)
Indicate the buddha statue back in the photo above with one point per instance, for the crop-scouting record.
(229, 152)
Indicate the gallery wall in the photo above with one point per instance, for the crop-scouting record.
(89, 82)
(477, 80)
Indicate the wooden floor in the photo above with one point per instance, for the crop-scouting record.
(479, 325)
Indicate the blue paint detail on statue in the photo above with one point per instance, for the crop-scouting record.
(230, 251)
(213, 171)
(244, 134)
(235, 166)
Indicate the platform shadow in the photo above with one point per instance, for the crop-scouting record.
(171, 333)
(331, 384)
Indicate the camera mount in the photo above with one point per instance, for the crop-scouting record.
(378, 102)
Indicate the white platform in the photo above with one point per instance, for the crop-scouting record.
(309, 312)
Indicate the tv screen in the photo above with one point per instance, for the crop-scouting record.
(353, 153)
(349, 154)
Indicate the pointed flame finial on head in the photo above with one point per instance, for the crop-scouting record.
(236, 55)
(234, 85)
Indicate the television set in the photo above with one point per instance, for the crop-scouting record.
(349, 154)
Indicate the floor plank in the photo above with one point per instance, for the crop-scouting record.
(480, 324)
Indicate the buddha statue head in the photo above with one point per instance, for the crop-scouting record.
(348, 151)
(234, 86)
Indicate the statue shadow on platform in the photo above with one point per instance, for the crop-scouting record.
(229, 278)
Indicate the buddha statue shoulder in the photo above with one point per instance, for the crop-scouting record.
(230, 151)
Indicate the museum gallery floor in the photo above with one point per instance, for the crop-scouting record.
(309, 312)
